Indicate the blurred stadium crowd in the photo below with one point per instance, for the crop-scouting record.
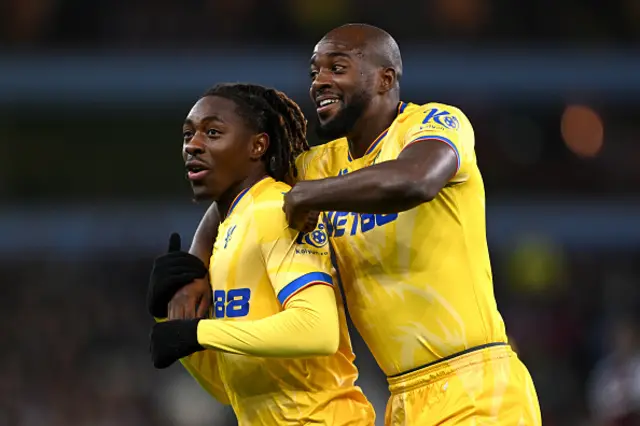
(167, 23)
(74, 327)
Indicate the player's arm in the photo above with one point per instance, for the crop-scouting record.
(179, 285)
(193, 299)
(308, 325)
(206, 233)
(428, 161)
(169, 274)
(415, 177)
(202, 365)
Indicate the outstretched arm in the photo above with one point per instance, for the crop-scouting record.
(436, 148)
(421, 170)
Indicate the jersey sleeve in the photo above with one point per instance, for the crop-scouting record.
(448, 125)
(295, 261)
(308, 325)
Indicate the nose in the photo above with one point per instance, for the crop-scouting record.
(194, 147)
(322, 81)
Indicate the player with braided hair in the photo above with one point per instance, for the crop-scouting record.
(277, 347)
(273, 112)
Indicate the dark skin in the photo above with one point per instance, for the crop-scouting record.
(344, 63)
(359, 67)
(222, 154)
(217, 140)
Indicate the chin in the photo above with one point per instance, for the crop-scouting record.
(329, 132)
(339, 123)
(202, 193)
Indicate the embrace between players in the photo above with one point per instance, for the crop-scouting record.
(254, 311)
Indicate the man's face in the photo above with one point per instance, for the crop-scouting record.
(341, 87)
(216, 146)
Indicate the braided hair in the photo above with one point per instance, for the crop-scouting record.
(274, 113)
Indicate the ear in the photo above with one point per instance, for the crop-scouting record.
(259, 146)
(387, 79)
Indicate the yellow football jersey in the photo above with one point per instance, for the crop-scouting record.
(257, 264)
(418, 284)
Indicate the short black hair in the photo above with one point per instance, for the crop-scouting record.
(274, 113)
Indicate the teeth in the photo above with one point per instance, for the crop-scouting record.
(326, 102)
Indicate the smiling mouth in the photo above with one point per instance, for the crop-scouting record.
(326, 105)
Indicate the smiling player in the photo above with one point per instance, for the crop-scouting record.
(405, 215)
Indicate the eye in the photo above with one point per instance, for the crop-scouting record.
(212, 133)
(187, 134)
(338, 68)
(313, 74)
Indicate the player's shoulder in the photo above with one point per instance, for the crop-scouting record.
(269, 193)
(414, 111)
(266, 206)
(313, 162)
(330, 148)
(435, 114)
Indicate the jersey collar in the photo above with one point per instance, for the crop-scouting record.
(244, 192)
(381, 136)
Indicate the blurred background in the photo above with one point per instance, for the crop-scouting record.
(92, 97)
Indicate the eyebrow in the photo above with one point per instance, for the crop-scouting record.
(214, 117)
(331, 55)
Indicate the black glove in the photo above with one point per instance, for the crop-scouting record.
(170, 273)
(172, 340)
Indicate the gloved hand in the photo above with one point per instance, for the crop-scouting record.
(170, 273)
(172, 340)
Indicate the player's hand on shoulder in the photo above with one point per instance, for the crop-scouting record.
(299, 217)
(170, 273)
(191, 301)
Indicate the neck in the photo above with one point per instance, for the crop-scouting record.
(375, 120)
(228, 197)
